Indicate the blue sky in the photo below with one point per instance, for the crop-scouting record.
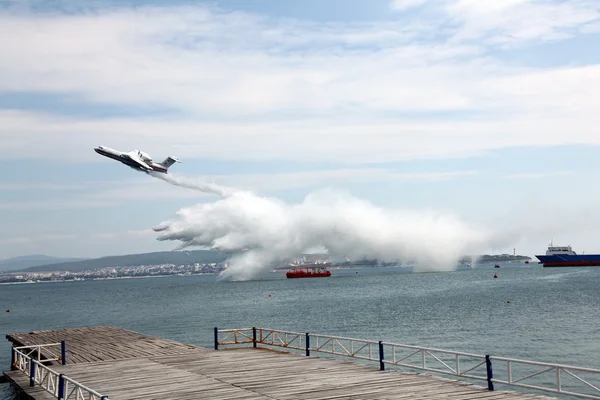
(486, 110)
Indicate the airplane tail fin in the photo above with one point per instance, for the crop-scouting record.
(169, 161)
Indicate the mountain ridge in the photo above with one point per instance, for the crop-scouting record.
(33, 260)
(42, 263)
(134, 260)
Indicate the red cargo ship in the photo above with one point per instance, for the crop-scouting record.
(308, 272)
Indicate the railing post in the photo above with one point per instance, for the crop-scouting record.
(61, 387)
(216, 338)
(490, 375)
(13, 359)
(63, 352)
(307, 344)
(254, 336)
(31, 372)
(381, 363)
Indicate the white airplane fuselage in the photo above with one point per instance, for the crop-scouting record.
(136, 159)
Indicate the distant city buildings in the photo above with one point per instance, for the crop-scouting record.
(215, 268)
(113, 273)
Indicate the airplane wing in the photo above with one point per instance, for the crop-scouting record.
(134, 156)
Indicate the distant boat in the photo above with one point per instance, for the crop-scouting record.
(496, 266)
(308, 271)
(564, 256)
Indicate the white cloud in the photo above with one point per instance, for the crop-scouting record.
(536, 117)
(59, 204)
(38, 186)
(252, 87)
(402, 5)
(538, 175)
(521, 20)
(56, 236)
(117, 193)
(126, 235)
(123, 235)
(142, 233)
(105, 236)
(38, 237)
(19, 240)
(279, 181)
(591, 28)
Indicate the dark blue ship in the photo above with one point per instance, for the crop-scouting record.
(564, 256)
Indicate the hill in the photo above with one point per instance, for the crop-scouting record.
(487, 258)
(132, 260)
(40, 263)
(33, 260)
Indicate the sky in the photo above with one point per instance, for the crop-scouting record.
(486, 110)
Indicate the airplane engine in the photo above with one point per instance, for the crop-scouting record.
(145, 156)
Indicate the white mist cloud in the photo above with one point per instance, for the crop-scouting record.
(264, 230)
(196, 184)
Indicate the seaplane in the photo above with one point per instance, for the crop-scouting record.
(136, 159)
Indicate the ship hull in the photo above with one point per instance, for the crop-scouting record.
(568, 260)
(296, 276)
(308, 273)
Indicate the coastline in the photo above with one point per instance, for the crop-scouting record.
(103, 279)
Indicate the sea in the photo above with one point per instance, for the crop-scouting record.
(527, 312)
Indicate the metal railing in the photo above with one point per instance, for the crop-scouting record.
(44, 377)
(50, 352)
(456, 363)
(239, 336)
(547, 377)
(519, 372)
(59, 385)
(75, 390)
(342, 346)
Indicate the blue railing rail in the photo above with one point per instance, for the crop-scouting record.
(547, 377)
(59, 385)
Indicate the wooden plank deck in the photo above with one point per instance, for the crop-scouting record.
(100, 343)
(250, 373)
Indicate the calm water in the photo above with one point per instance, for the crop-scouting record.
(553, 314)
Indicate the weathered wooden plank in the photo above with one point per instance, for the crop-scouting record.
(100, 343)
(128, 365)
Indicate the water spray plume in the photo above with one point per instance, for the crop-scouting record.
(264, 230)
(196, 184)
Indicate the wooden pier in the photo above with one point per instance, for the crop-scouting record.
(122, 364)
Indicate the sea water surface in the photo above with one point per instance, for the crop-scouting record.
(553, 314)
